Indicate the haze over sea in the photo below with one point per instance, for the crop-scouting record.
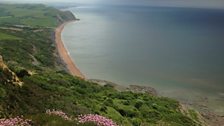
(178, 51)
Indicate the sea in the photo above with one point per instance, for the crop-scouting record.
(178, 51)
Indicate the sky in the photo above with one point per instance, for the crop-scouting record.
(178, 3)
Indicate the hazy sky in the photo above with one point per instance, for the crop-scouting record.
(189, 3)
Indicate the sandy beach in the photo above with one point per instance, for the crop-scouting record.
(64, 53)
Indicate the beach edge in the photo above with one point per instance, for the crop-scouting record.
(63, 52)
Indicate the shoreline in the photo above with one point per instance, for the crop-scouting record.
(63, 53)
(209, 116)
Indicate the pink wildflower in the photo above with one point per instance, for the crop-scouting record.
(99, 120)
(17, 121)
(58, 113)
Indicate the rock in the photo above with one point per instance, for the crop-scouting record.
(133, 88)
(7, 76)
(143, 89)
(1, 59)
(22, 73)
(102, 82)
(108, 84)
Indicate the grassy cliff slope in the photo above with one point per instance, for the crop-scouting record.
(32, 48)
(32, 15)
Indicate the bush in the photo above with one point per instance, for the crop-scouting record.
(138, 104)
(136, 122)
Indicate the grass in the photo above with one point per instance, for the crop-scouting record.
(56, 90)
(50, 120)
(4, 36)
(2, 17)
(28, 46)
(31, 15)
(193, 114)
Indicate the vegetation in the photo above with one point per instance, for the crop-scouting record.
(32, 15)
(7, 37)
(33, 51)
(50, 90)
(32, 48)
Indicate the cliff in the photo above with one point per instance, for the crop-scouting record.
(64, 16)
(7, 76)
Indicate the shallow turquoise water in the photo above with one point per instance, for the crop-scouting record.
(178, 51)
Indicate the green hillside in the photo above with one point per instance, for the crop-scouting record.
(32, 15)
(30, 53)
(8, 37)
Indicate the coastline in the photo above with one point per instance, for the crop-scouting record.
(210, 117)
(63, 53)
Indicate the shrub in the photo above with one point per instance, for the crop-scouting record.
(138, 104)
(99, 120)
(17, 121)
(58, 113)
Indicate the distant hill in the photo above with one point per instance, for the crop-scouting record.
(32, 15)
